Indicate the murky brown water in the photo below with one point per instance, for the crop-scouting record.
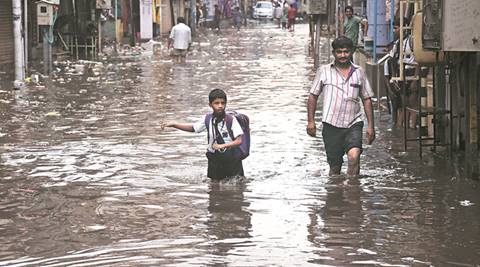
(87, 177)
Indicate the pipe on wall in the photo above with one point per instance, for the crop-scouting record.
(19, 49)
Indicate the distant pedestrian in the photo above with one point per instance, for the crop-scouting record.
(292, 14)
(221, 139)
(237, 17)
(180, 39)
(198, 13)
(351, 25)
(344, 86)
(277, 14)
(284, 17)
(216, 18)
(227, 9)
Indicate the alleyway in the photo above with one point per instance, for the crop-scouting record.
(88, 178)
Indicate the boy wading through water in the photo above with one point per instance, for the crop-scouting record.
(344, 85)
(221, 140)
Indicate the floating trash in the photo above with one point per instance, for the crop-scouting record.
(52, 114)
(466, 203)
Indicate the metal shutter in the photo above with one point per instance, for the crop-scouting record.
(6, 32)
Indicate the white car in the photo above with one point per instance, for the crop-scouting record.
(263, 9)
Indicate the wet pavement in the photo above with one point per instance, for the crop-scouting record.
(89, 178)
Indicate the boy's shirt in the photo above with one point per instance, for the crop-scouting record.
(200, 126)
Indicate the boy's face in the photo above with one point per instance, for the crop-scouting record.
(218, 106)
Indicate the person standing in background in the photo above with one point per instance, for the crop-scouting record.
(351, 25)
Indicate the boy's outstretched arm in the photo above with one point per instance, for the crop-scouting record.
(180, 126)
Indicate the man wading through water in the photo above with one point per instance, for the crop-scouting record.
(344, 85)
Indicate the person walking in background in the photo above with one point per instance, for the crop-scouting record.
(277, 14)
(221, 138)
(292, 14)
(351, 25)
(344, 86)
(227, 9)
(216, 18)
(237, 18)
(284, 17)
(198, 13)
(180, 39)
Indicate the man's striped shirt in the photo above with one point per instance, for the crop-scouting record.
(342, 96)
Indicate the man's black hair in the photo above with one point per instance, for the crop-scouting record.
(342, 42)
(349, 8)
(215, 94)
(180, 20)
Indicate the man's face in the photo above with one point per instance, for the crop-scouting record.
(342, 56)
(218, 106)
(348, 13)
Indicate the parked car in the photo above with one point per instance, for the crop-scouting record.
(263, 9)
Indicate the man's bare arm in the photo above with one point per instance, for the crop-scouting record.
(311, 108)
(367, 104)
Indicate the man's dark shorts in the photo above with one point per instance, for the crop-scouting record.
(339, 141)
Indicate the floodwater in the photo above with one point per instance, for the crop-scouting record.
(89, 178)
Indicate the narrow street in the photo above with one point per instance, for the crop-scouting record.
(89, 178)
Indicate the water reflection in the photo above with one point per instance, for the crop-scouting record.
(336, 227)
(229, 221)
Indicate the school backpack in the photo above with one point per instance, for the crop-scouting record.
(243, 150)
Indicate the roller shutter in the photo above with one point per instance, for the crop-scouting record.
(6, 32)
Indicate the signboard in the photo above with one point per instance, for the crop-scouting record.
(316, 7)
(146, 19)
(460, 24)
(210, 4)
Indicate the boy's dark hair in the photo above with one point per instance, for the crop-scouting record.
(215, 94)
(180, 20)
(342, 42)
(349, 8)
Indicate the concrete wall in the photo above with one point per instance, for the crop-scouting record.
(374, 72)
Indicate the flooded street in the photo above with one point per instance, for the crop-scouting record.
(89, 178)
